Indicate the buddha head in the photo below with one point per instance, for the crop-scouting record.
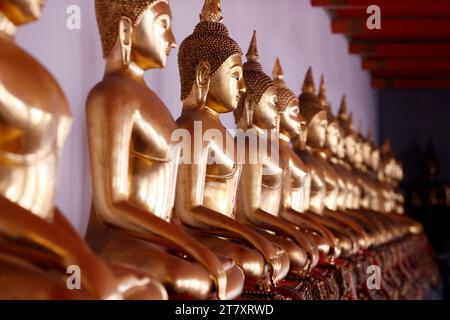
(259, 105)
(366, 152)
(210, 64)
(372, 158)
(139, 29)
(334, 139)
(359, 150)
(346, 124)
(315, 116)
(387, 161)
(292, 124)
(341, 151)
(22, 11)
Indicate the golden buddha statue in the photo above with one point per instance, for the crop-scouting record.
(212, 83)
(323, 179)
(296, 177)
(295, 197)
(134, 160)
(260, 186)
(37, 243)
(347, 179)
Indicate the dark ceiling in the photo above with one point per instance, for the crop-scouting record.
(412, 48)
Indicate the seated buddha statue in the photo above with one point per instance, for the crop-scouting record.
(260, 186)
(389, 193)
(350, 203)
(37, 243)
(336, 176)
(210, 64)
(316, 119)
(295, 196)
(134, 160)
(371, 159)
(296, 178)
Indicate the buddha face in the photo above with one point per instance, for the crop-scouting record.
(358, 157)
(367, 153)
(22, 11)
(265, 112)
(350, 147)
(153, 39)
(291, 121)
(333, 137)
(375, 159)
(341, 146)
(227, 86)
(317, 130)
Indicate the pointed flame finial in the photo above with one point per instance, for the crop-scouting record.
(342, 114)
(308, 84)
(252, 54)
(277, 73)
(323, 92)
(211, 12)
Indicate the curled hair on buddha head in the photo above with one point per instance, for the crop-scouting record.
(285, 95)
(210, 42)
(256, 81)
(109, 13)
(309, 102)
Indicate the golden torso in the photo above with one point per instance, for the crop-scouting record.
(297, 179)
(34, 120)
(331, 180)
(271, 183)
(318, 185)
(146, 125)
(221, 172)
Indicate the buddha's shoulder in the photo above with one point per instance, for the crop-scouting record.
(119, 91)
(199, 120)
(29, 81)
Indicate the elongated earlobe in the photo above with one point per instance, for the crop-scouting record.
(125, 32)
(202, 82)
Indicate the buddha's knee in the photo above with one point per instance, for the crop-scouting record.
(235, 282)
(297, 256)
(153, 290)
(136, 285)
(320, 242)
(345, 244)
(21, 280)
(249, 260)
(189, 279)
(252, 263)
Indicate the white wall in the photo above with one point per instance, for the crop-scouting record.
(291, 29)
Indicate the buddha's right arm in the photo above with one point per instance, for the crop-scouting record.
(191, 211)
(303, 221)
(221, 225)
(60, 248)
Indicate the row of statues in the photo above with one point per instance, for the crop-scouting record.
(304, 223)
